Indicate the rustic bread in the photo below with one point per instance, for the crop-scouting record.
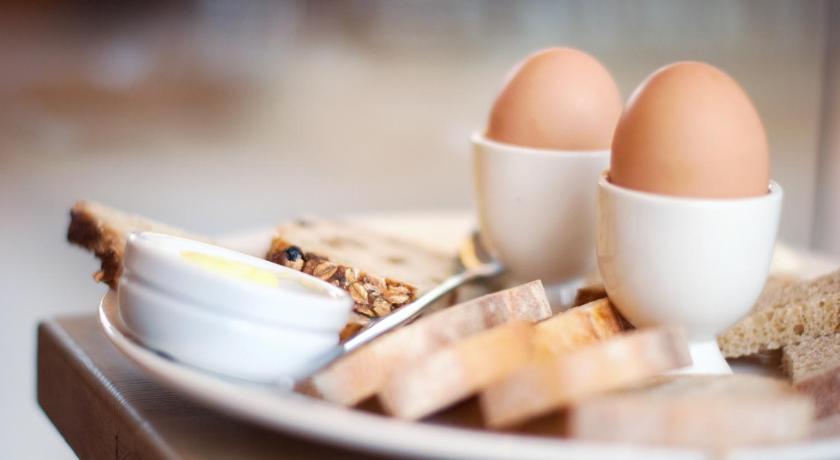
(712, 412)
(787, 312)
(455, 372)
(577, 327)
(361, 374)
(104, 231)
(547, 384)
(451, 374)
(381, 272)
(350, 256)
(813, 366)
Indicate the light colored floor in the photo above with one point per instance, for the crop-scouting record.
(325, 109)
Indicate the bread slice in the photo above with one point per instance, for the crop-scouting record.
(553, 383)
(104, 231)
(361, 374)
(381, 272)
(577, 327)
(453, 373)
(787, 312)
(711, 412)
(589, 292)
(813, 367)
(457, 371)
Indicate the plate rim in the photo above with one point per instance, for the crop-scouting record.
(321, 421)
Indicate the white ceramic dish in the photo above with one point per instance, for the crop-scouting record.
(537, 208)
(323, 422)
(699, 264)
(240, 348)
(158, 261)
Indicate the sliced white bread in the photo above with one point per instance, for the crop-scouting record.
(813, 367)
(362, 373)
(787, 312)
(548, 384)
(713, 412)
(457, 371)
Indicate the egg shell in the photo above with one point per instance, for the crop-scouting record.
(559, 99)
(690, 130)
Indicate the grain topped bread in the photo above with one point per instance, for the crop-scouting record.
(381, 272)
(104, 231)
(813, 367)
(787, 312)
(711, 412)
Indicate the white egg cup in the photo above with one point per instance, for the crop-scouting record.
(699, 264)
(536, 208)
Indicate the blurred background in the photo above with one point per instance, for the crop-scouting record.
(220, 116)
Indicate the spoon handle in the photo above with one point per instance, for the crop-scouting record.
(410, 311)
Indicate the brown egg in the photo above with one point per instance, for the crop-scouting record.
(690, 130)
(557, 98)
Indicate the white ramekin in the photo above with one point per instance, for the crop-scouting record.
(157, 261)
(235, 347)
(695, 263)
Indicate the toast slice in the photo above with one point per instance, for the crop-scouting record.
(361, 374)
(453, 373)
(459, 370)
(548, 384)
(104, 231)
(813, 367)
(787, 312)
(711, 412)
(382, 273)
(577, 327)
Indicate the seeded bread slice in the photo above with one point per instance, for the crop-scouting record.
(710, 412)
(813, 367)
(361, 374)
(548, 384)
(104, 231)
(459, 370)
(358, 259)
(350, 256)
(787, 312)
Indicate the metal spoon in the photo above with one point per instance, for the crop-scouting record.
(476, 263)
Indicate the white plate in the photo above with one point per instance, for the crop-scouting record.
(324, 422)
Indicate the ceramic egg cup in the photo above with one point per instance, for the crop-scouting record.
(536, 209)
(698, 264)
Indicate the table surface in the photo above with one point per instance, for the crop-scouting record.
(106, 407)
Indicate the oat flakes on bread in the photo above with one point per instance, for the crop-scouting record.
(787, 312)
(381, 272)
(707, 412)
(361, 374)
(813, 367)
